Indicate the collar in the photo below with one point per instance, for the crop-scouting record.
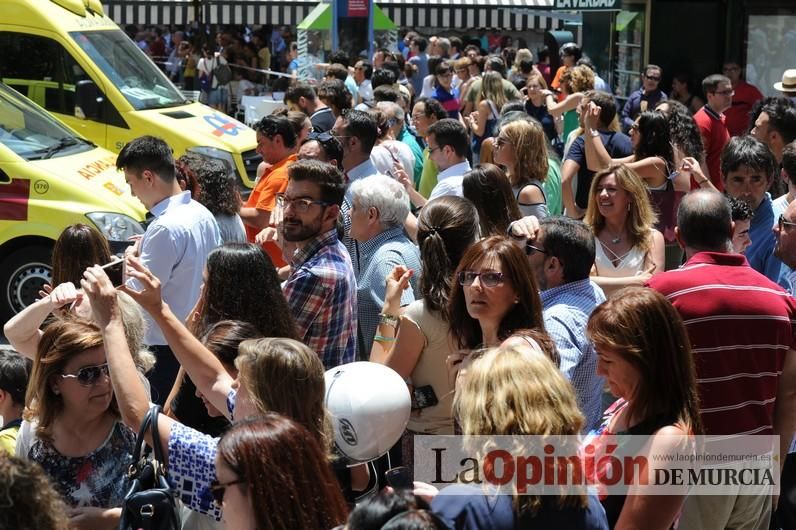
(456, 170)
(13, 423)
(371, 245)
(717, 258)
(365, 169)
(282, 163)
(552, 293)
(161, 207)
(712, 113)
(323, 239)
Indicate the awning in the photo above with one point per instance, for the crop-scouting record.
(509, 15)
(320, 18)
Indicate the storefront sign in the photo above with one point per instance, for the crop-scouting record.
(588, 5)
(357, 8)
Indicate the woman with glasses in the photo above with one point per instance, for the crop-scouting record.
(272, 473)
(444, 91)
(272, 372)
(415, 341)
(629, 250)
(495, 296)
(521, 147)
(74, 430)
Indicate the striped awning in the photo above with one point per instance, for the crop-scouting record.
(509, 15)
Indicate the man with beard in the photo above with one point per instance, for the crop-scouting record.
(321, 289)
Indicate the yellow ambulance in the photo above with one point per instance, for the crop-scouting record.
(51, 178)
(71, 59)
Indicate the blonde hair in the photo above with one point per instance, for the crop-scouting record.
(62, 339)
(581, 78)
(285, 376)
(492, 89)
(523, 54)
(514, 391)
(134, 332)
(529, 143)
(537, 76)
(641, 217)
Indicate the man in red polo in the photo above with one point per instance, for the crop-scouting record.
(746, 95)
(276, 143)
(740, 327)
(711, 122)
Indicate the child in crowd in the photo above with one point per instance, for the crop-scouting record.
(14, 375)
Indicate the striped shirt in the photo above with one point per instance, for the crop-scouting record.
(321, 292)
(740, 325)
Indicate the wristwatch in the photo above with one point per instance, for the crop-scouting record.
(595, 133)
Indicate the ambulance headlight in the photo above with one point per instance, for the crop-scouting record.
(115, 226)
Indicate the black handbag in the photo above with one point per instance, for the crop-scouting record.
(150, 503)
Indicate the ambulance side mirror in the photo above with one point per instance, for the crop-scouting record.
(87, 100)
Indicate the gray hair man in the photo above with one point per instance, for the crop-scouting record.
(379, 208)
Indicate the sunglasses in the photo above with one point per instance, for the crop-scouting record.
(500, 141)
(530, 249)
(653, 77)
(89, 375)
(217, 489)
(488, 279)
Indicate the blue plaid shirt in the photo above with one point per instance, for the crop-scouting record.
(566, 311)
(376, 259)
(321, 291)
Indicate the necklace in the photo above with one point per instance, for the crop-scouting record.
(614, 240)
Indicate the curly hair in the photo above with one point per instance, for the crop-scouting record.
(683, 129)
(581, 78)
(27, 499)
(655, 141)
(217, 188)
(334, 94)
(641, 214)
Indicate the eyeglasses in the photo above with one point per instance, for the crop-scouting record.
(500, 141)
(488, 279)
(432, 149)
(445, 74)
(217, 489)
(89, 375)
(653, 77)
(783, 222)
(300, 204)
(530, 249)
(634, 126)
(724, 92)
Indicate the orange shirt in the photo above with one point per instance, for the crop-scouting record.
(263, 197)
(556, 84)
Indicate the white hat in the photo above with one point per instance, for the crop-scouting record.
(370, 405)
(788, 83)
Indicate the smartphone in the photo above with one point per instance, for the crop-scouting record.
(398, 478)
(423, 396)
(115, 271)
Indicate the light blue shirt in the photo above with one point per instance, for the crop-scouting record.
(566, 311)
(449, 182)
(175, 248)
(760, 253)
(376, 259)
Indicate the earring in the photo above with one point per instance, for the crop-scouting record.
(56, 391)
(516, 300)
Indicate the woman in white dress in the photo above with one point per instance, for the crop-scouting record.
(628, 249)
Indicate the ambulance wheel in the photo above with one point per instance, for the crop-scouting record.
(23, 273)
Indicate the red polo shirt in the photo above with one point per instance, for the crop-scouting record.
(740, 325)
(715, 136)
(745, 97)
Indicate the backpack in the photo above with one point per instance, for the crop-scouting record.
(223, 73)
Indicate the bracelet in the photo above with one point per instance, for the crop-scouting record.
(594, 133)
(390, 320)
(700, 182)
(382, 338)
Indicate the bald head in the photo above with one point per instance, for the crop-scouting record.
(704, 221)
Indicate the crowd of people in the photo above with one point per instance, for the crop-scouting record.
(483, 226)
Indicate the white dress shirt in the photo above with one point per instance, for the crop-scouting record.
(175, 248)
(449, 182)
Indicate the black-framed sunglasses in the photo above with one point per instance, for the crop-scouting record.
(89, 375)
(530, 249)
(783, 223)
(300, 204)
(217, 489)
(487, 278)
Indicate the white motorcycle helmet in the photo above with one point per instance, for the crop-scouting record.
(369, 404)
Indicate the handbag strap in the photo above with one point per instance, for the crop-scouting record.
(139, 440)
(156, 447)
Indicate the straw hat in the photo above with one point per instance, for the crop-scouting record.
(788, 83)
